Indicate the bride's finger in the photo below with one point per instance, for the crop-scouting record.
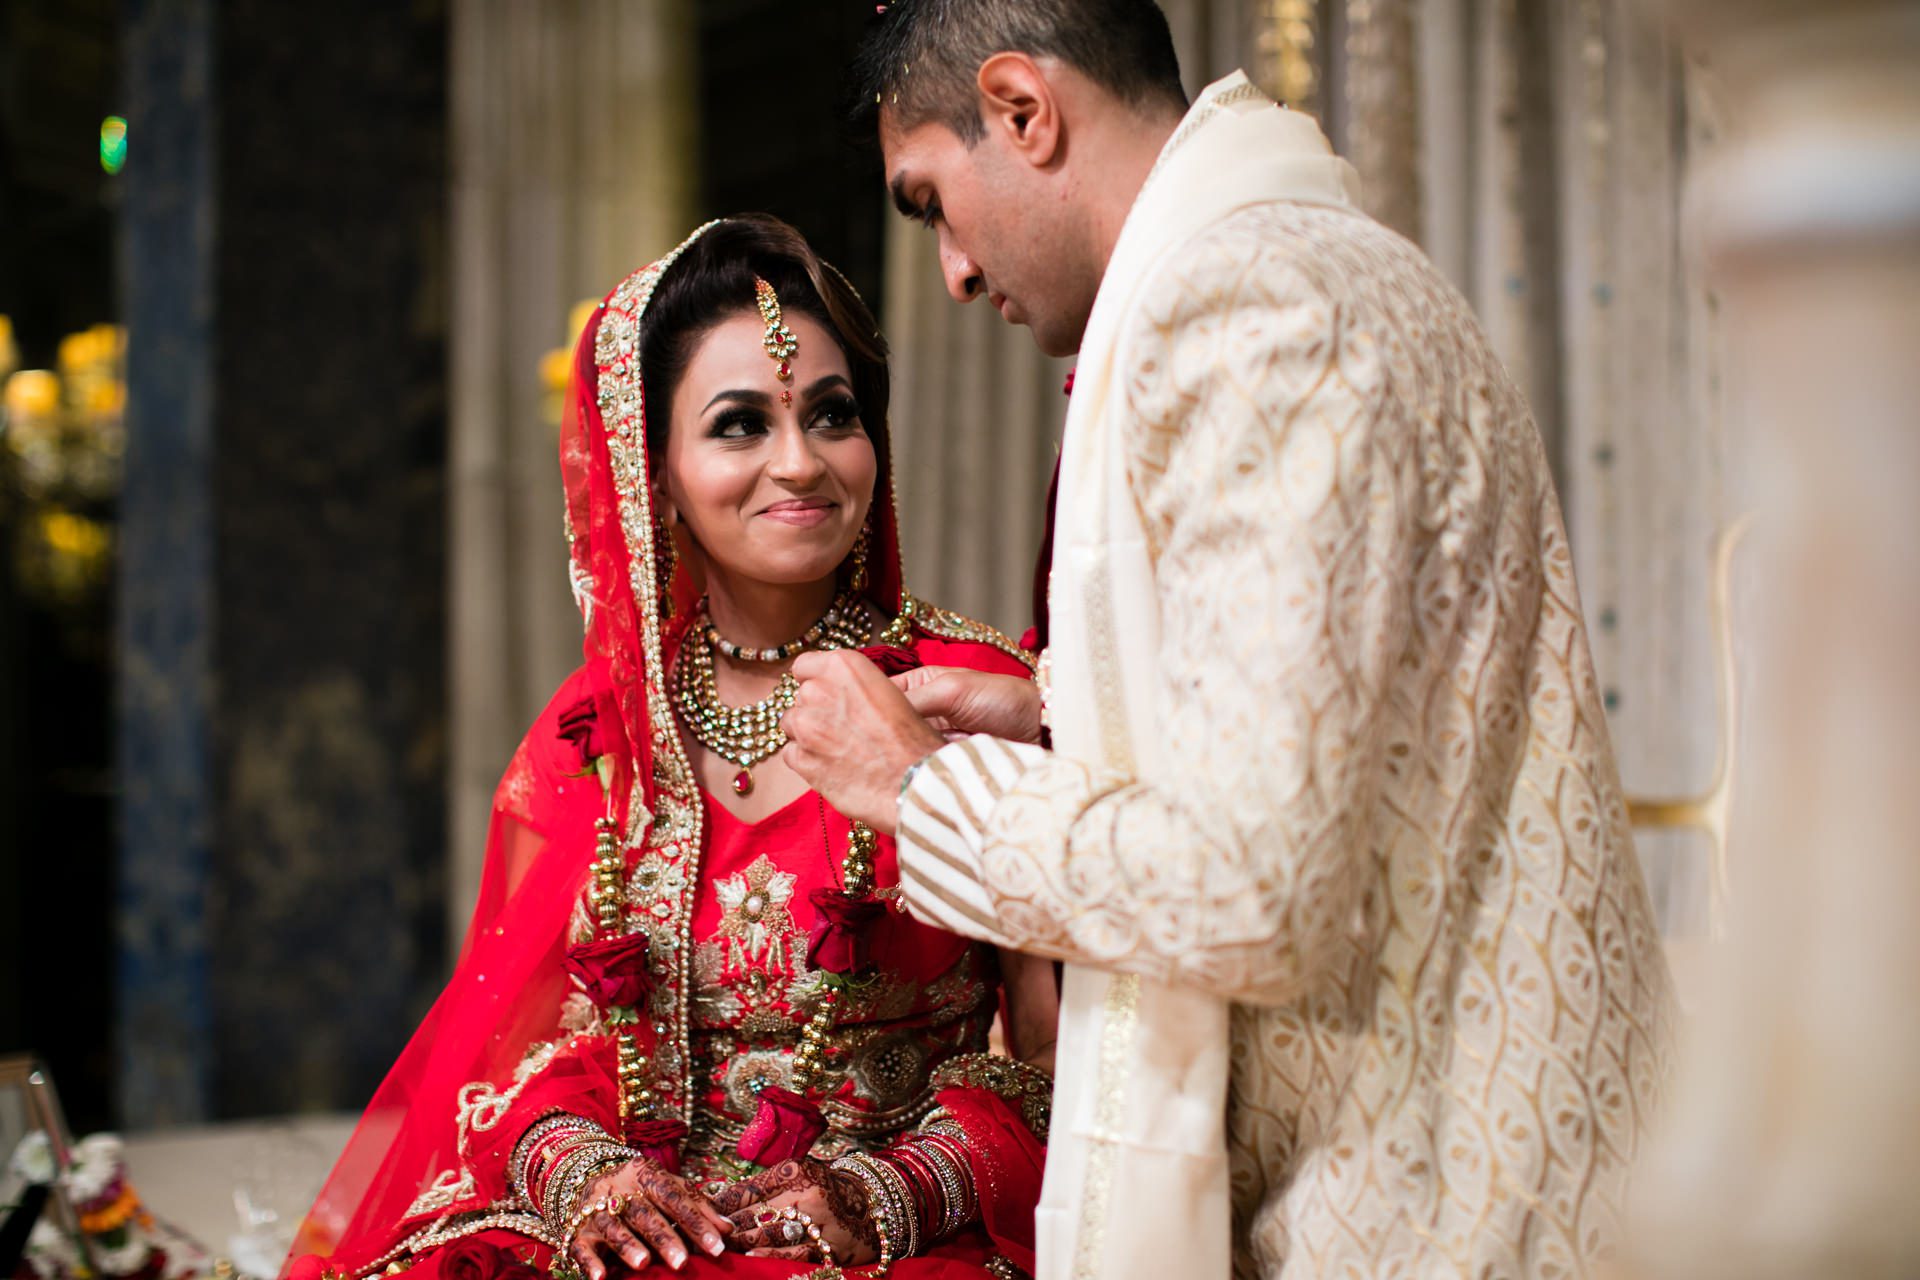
(693, 1215)
(738, 1196)
(799, 1253)
(643, 1219)
(616, 1234)
(587, 1258)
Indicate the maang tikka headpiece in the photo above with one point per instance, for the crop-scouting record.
(778, 339)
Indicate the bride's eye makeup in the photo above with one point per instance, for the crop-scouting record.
(836, 413)
(737, 423)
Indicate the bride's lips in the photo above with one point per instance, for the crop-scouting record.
(801, 512)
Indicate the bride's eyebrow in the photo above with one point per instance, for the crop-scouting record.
(822, 384)
(759, 398)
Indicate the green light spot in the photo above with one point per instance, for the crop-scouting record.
(113, 144)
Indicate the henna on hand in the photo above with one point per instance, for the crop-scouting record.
(835, 1201)
(659, 1208)
(850, 1206)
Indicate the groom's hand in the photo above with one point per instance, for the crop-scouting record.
(852, 735)
(958, 702)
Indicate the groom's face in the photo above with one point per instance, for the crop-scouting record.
(1003, 233)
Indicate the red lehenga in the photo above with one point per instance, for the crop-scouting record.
(723, 909)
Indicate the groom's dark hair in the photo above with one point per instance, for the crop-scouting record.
(919, 59)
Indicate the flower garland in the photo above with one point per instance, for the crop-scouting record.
(121, 1237)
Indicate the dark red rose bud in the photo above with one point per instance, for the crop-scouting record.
(784, 1128)
(612, 971)
(580, 727)
(839, 943)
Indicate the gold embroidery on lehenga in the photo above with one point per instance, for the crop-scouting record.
(756, 920)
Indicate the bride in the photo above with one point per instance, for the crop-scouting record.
(692, 1022)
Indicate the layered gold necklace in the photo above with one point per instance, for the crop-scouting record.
(748, 734)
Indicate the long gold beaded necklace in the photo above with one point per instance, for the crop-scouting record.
(746, 735)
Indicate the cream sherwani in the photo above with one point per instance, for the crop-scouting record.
(1361, 974)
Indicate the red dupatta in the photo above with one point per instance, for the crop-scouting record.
(429, 1145)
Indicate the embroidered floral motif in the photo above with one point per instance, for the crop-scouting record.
(757, 922)
(655, 884)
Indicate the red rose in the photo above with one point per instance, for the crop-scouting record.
(782, 1129)
(518, 1269)
(892, 659)
(612, 971)
(839, 942)
(657, 1140)
(471, 1258)
(580, 725)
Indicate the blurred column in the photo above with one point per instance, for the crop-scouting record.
(1383, 110)
(1792, 1145)
(572, 160)
(282, 617)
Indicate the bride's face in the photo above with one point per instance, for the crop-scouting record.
(770, 492)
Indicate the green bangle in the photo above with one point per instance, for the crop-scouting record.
(906, 779)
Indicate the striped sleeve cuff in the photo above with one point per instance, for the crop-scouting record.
(943, 828)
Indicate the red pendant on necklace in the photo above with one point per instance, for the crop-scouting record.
(743, 783)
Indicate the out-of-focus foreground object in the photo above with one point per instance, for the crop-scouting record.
(1792, 1142)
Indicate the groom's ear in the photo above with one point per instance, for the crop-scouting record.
(1018, 105)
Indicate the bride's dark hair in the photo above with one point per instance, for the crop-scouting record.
(713, 281)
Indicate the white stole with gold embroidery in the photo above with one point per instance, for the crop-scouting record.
(1136, 1180)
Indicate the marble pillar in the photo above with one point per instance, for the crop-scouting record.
(282, 617)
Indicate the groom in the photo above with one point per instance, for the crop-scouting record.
(1361, 977)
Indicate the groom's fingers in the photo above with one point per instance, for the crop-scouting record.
(938, 698)
(908, 681)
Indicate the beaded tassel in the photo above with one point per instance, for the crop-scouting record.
(810, 1057)
(636, 1100)
(609, 897)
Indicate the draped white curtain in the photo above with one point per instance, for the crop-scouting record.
(1536, 149)
(1555, 139)
(571, 165)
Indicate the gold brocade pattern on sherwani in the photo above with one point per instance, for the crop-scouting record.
(1387, 823)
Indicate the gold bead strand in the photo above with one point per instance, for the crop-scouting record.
(857, 869)
(609, 895)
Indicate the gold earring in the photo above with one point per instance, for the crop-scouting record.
(666, 563)
(857, 581)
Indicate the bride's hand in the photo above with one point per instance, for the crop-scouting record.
(958, 702)
(834, 1200)
(655, 1209)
